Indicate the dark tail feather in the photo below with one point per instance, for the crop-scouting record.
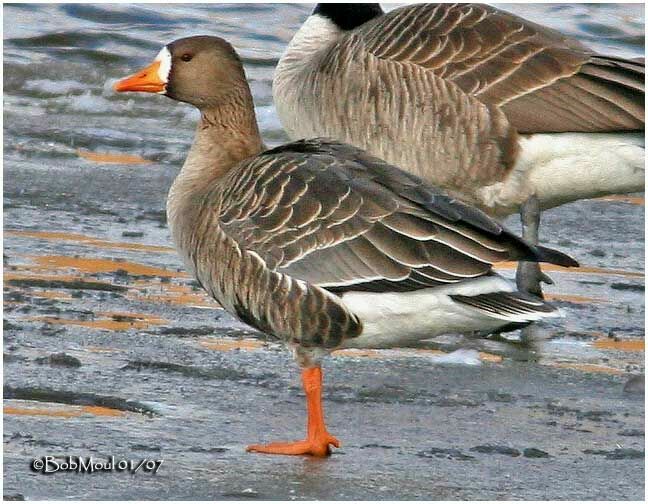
(635, 65)
(524, 251)
(552, 256)
(515, 306)
(619, 81)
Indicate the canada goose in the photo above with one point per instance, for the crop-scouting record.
(498, 111)
(318, 243)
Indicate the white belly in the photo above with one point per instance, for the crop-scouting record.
(563, 167)
(402, 318)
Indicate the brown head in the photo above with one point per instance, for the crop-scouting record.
(204, 71)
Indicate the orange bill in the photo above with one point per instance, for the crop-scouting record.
(146, 80)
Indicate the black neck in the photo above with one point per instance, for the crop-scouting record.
(348, 16)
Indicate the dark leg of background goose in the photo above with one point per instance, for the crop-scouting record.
(529, 275)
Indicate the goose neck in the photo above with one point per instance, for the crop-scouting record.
(315, 34)
(226, 134)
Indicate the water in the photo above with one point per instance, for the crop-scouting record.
(71, 217)
(59, 61)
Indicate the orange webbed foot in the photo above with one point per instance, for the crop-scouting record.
(318, 440)
(318, 447)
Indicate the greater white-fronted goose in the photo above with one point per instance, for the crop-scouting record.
(318, 243)
(494, 109)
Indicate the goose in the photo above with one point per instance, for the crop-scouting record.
(318, 243)
(500, 112)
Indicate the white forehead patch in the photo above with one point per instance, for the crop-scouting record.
(164, 57)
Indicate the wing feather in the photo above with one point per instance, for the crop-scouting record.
(506, 61)
(333, 216)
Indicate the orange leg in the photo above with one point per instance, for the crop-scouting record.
(318, 439)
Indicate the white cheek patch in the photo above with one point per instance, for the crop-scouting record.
(164, 57)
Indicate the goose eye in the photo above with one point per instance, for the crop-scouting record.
(186, 57)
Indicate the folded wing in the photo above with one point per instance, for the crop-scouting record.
(542, 80)
(333, 216)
